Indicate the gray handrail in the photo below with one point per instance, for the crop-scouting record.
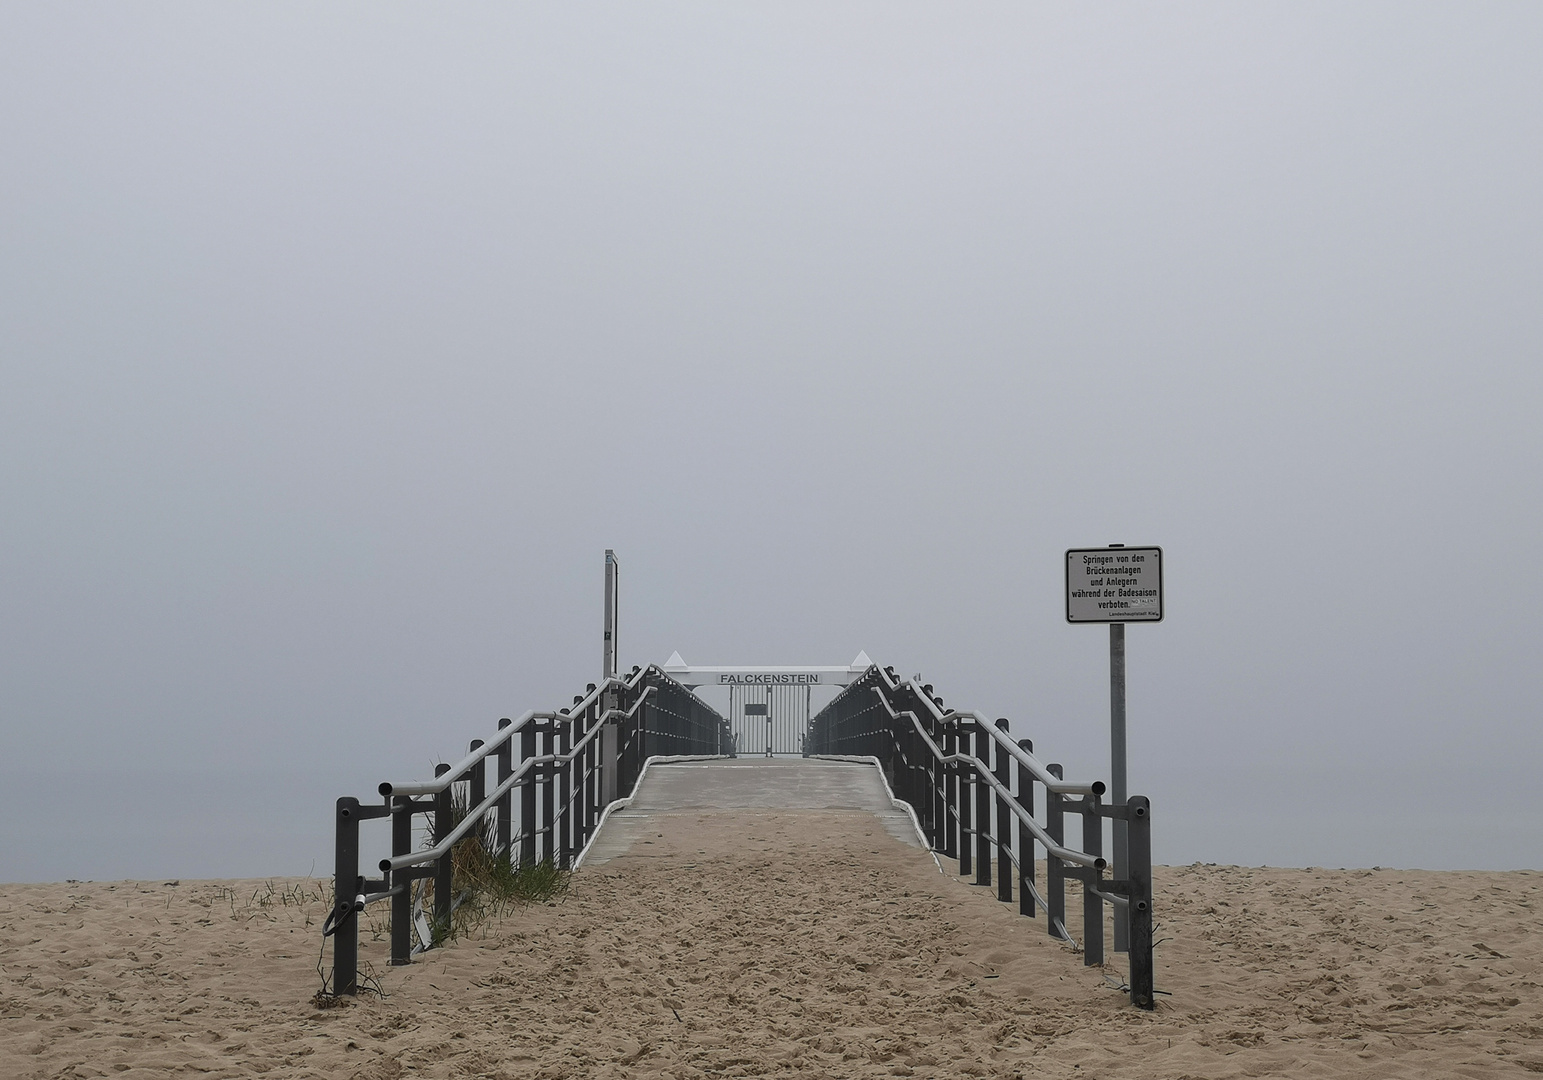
(467, 823)
(474, 815)
(561, 787)
(459, 770)
(1066, 854)
(968, 802)
(1005, 741)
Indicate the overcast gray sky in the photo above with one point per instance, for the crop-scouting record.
(338, 342)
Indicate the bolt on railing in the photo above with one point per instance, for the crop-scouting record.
(972, 786)
(572, 763)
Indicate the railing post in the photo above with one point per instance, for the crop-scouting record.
(402, 901)
(950, 774)
(921, 788)
(1004, 819)
(983, 743)
(610, 761)
(479, 782)
(444, 866)
(937, 775)
(345, 887)
(626, 749)
(646, 733)
(1117, 761)
(1055, 877)
(1138, 854)
(1092, 903)
(544, 771)
(921, 777)
(596, 769)
(585, 763)
(633, 755)
(966, 796)
(1025, 797)
(528, 794)
(565, 796)
(506, 800)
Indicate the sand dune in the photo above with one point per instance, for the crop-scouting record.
(808, 943)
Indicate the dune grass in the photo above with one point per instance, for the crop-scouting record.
(486, 883)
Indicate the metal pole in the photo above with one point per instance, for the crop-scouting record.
(646, 726)
(610, 762)
(479, 780)
(938, 782)
(631, 755)
(545, 772)
(506, 802)
(587, 777)
(950, 784)
(1117, 761)
(402, 880)
(1092, 903)
(962, 811)
(1055, 879)
(1025, 799)
(608, 664)
(1140, 911)
(1004, 834)
(565, 798)
(345, 886)
(982, 807)
(444, 866)
(528, 796)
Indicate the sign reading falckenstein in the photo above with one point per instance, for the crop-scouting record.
(1114, 584)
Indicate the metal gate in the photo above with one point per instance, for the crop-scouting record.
(769, 719)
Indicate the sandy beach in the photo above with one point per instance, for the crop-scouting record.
(749, 943)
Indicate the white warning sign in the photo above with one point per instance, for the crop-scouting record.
(1114, 584)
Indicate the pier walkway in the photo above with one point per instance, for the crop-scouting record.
(671, 789)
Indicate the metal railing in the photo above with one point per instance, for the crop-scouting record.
(973, 787)
(566, 766)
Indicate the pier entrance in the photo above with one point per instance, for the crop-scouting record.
(768, 707)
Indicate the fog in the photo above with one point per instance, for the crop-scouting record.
(337, 344)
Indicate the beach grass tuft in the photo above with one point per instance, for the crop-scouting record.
(487, 883)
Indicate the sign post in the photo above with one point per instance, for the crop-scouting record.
(1115, 585)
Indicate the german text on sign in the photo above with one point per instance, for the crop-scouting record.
(1106, 585)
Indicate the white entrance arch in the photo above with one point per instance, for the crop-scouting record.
(769, 706)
